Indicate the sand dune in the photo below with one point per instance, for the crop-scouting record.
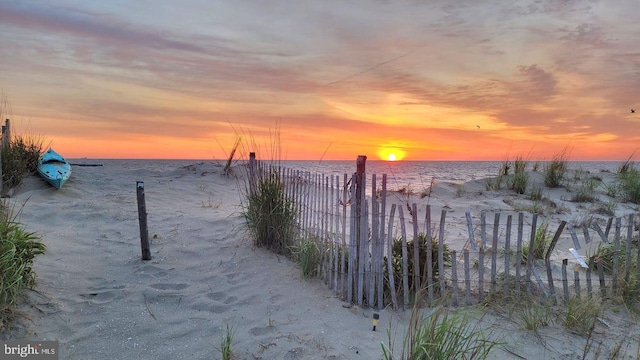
(101, 301)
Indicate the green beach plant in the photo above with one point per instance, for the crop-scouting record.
(586, 190)
(534, 315)
(20, 158)
(554, 172)
(520, 179)
(18, 248)
(270, 213)
(581, 314)
(439, 334)
(226, 344)
(629, 180)
(422, 255)
(308, 257)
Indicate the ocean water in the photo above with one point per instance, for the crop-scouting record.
(413, 174)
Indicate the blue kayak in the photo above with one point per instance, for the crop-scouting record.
(54, 168)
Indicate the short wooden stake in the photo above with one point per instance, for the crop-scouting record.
(142, 217)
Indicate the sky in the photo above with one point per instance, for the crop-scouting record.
(422, 80)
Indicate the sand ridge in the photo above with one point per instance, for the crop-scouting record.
(101, 301)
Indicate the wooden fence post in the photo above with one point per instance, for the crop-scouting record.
(361, 225)
(142, 218)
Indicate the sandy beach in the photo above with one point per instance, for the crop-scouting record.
(101, 301)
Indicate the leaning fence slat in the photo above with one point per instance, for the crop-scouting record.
(565, 282)
(589, 283)
(494, 252)
(481, 273)
(574, 237)
(383, 205)
(539, 281)
(597, 228)
(519, 252)
(353, 249)
(472, 241)
(443, 216)
(547, 259)
(576, 282)
(608, 228)
(585, 231)
(507, 257)
(530, 261)
(416, 247)
(616, 257)
(375, 213)
(362, 231)
(429, 255)
(627, 262)
(405, 271)
(392, 284)
(343, 250)
(603, 289)
(454, 277)
(483, 229)
(336, 235)
(467, 277)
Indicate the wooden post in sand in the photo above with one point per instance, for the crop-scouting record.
(142, 217)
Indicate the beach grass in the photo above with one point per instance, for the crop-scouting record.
(226, 344)
(18, 248)
(422, 254)
(270, 214)
(520, 179)
(581, 314)
(440, 334)
(20, 158)
(629, 180)
(308, 257)
(555, 171)
(533, 314)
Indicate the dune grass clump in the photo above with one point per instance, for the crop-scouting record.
(520, 179)
(422, 255)
(270, 214)
(20, 158)
(308, 257)
(581, 314)
(18, 248)
(226, 344)
(629, 179)
(555, 171)
(534, 315)
(440, 334)
(586, 190)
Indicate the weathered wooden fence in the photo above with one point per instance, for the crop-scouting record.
(356, 230)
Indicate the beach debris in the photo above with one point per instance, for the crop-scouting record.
(376, 317)
(578, 258)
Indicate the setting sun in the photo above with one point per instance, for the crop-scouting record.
(391, 153)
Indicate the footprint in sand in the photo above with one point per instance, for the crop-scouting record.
(169, 286)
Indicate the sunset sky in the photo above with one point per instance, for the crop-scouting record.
(424, 80)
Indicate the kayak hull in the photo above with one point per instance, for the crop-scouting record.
(54, 168)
